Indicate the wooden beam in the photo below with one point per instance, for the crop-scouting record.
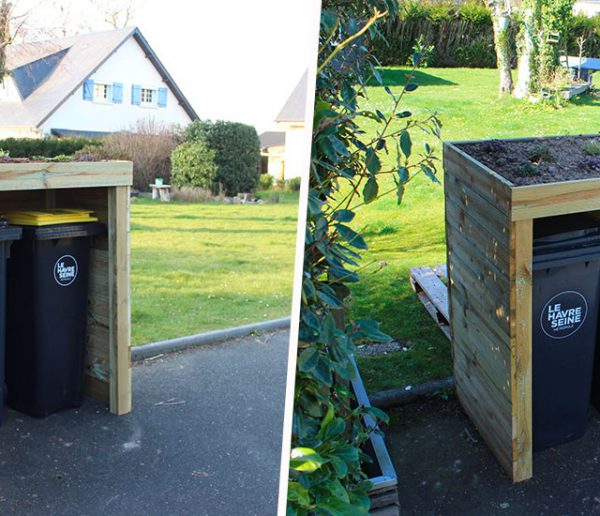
(521, 348)
(119, 308)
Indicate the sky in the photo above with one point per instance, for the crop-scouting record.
(236, 60)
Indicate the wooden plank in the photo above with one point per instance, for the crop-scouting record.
(494, 188)
(545, 200)
(119, 294)
(423, 279)
(442, 271)
(521, 348)
(75, 174)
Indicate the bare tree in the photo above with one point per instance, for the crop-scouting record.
(117, 13)
(527, 48)
(501, 17)
(11, 24)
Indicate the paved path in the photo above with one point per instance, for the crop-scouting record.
(204, 438)
(445, 468)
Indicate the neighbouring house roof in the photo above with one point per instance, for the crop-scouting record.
(295, 107)
(64, 133)
(47, 73)
(271, 139)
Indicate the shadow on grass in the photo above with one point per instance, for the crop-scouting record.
(591, 99)
(398, 76)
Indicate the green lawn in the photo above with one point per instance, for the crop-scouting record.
(201, 267)
(413, 234)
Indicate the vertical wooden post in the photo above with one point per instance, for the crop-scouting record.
(119, 309)
(521, 243)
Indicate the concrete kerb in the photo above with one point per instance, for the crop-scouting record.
(211, 337)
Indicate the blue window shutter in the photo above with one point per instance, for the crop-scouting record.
(88, 89)
(162, 97)
(136, 94)
(117, 92)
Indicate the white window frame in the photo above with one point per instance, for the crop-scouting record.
(108, 91)
(154, 103)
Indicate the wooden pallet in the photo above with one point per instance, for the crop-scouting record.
(430, 285)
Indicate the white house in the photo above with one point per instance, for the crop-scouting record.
(587, 7)
(285, 149)
(90, 84)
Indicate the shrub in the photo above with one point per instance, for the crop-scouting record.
(190, 194)
(48, 147)
(237, 152)
(293, 184)
(193, 165)
(148, 144)
(265, 182)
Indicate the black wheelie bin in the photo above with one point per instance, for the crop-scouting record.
(566, 293)
(48, 277)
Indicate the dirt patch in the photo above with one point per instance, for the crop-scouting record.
(543, 160)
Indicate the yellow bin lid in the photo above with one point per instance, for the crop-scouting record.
(48, 217)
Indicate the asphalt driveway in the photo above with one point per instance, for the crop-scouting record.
(204, 438)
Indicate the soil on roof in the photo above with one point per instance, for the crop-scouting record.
(543, 160)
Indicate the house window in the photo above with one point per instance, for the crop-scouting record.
(102, 92)
(148, 97)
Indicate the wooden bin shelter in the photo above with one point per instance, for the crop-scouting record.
(102, 187)
(489, 236)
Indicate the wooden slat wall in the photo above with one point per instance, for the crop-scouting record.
(478, 241)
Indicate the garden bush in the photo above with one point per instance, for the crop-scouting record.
(193, 165)
(293, 184)
(48, 147)
(148, 144)
(265, 182)
(237, 152)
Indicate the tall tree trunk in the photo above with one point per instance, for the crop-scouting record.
(501, 14)
(5, 37)
(527, 51)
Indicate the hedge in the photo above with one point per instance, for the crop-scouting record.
(47, 147)
(462, 35)
(237, 153)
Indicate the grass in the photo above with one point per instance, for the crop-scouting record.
(200, 267)
(413, 234)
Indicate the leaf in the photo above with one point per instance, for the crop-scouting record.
(314, 203)
(405, 144)
(404, 114)
(399, 193)
(308, 359)
(348, 95)
(370, 190)
(323, 372)
(306, 460)
(351, 236)
(378, 414)
(328, 332)
(372, 161)
(428, 171)
(298, 494)
(371, 330)
(348, 453)
(339, 466)
(411, 87)
(337, 507)
(403, 174)
(329, 299)
(335, 428)
(338, 146)
(343, 216)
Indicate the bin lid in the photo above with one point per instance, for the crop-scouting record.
(48, 217)
(8, 232)
(58, 231)
(564, 227)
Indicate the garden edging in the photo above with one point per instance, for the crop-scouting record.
(212, 337)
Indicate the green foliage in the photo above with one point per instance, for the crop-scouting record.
(48, 147)
(265, 182)
(591, 148)
(327, 463)
(541, 154)
(192, 164)
(293, 184)
(461, 34)
(237, 152)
